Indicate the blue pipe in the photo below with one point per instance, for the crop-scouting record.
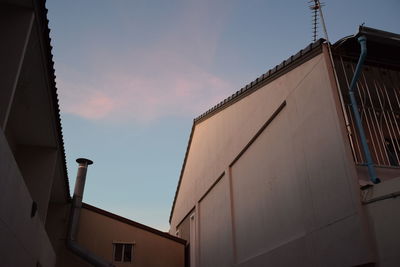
(371, 169)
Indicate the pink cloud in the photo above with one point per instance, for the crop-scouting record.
(96, 107)
(169, 78)
(143, 97)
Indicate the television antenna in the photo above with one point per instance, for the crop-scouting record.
(316, 9)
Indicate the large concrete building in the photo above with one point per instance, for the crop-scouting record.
(38, 224)
(276, 175)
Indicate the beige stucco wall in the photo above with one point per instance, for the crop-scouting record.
(384, 215)
(23, 239)
(293, 192)
(97, 233)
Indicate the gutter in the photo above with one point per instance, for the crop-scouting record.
(76, 206)
(371, 169)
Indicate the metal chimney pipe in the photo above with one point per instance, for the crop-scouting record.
(78, 195)
(76, 206)
(81, 177)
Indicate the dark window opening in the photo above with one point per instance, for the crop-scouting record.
(123, 252)
(128, 252)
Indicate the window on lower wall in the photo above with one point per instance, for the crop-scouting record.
(123, 252)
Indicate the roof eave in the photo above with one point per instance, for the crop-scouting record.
(41, 12)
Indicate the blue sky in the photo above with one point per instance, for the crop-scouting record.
(132, 75)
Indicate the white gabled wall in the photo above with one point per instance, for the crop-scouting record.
(216, 233)
(292, 192)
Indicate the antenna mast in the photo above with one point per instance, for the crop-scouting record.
(316, 8)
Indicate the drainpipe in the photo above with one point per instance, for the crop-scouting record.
(76, 205)
(371, 169)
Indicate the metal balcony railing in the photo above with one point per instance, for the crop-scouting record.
(378, 99)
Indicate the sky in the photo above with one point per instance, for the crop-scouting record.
(132, 74)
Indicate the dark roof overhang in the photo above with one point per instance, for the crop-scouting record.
(383, 47)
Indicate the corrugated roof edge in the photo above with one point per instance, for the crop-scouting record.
(270, 75)
(41, 11)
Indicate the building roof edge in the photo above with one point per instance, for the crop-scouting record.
(43, 22)
(265, 78)
(133, 223)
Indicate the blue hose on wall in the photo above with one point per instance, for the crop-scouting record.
(371, 169)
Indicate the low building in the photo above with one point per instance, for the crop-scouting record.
(35, 201)
(119, 241)
(276, 175)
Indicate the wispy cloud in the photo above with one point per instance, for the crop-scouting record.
(169, 78)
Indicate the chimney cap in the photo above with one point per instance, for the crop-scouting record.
(83, 160)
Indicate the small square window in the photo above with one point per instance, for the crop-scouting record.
(123, 252)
